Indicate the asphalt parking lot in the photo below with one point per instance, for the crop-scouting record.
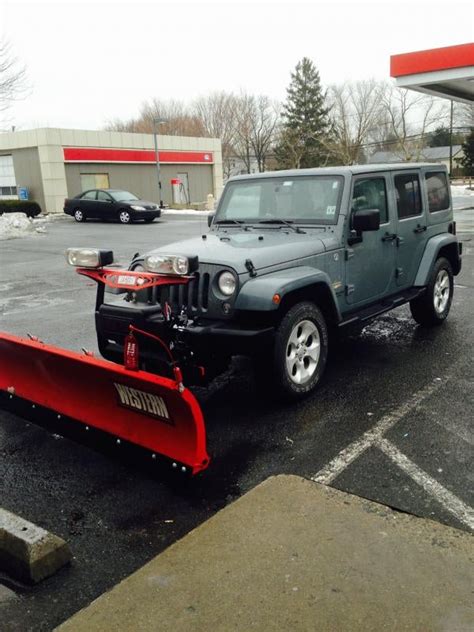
(392, 422)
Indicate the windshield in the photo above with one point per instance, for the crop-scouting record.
(122, 196)
(304, 199)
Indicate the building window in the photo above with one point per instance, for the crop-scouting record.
(8, 191)
(407, 190)
(94, 181)
(7, 177)
(437, 188)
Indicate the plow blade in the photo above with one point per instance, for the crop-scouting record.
(135, 407)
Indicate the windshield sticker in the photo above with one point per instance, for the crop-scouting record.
(335, 184)
(330, 210)
(287, 183)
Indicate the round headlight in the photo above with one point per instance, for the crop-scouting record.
(227, 283)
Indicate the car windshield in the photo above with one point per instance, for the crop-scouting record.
(122, 196)
(299, 199)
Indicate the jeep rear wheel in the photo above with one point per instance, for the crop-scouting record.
(300, 352)
(432, 307)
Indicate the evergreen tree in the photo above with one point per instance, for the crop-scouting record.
(305, 120)
(467, 159)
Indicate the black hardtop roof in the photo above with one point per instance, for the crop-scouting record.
(341, 171)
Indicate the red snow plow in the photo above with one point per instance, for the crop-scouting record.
(123, 402)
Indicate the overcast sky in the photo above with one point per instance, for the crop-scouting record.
(89, 62)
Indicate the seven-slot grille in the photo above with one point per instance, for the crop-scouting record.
(195, 297)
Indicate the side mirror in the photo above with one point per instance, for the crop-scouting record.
(210, 219)
(366, 220)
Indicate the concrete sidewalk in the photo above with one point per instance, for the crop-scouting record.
(292, 555)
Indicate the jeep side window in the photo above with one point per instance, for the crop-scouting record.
(371, 193)
(437, 189)
(407, 191)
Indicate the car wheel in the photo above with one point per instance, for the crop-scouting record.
(432, 307)
(79, 215)
(300, 350)
(125, 217)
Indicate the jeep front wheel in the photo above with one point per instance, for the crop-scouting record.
(301, 348)
(432, 307)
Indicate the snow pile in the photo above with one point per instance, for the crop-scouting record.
(189, 211)
(17, 225)
(461, 190)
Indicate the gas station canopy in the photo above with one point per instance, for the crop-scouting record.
(442, 72)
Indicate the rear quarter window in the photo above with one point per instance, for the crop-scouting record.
(407, 191)
(437, 191)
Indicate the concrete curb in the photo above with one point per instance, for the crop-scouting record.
(28, 552)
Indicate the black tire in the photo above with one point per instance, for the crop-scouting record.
(432, 307)
(79, 215)
(124, 216)
(300, 351)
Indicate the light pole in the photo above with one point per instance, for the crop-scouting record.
(158, 121)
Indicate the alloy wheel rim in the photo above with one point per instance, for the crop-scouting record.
(302, 352)
(78, 215)
(124, 217)
(441, 291)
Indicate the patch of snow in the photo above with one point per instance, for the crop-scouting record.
(188, 211)
(461, 190)
(13, 225)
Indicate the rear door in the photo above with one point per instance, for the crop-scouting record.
(370, 263)
(411, 225)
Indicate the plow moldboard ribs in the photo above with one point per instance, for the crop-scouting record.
(141, 408)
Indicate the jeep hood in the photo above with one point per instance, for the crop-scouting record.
(264, 248)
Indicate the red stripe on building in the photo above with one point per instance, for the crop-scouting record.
(432, 60)
(90, 154)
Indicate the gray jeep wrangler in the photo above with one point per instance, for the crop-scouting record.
(291, 257)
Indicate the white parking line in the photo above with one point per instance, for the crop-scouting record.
(447, 499)
(329, 472)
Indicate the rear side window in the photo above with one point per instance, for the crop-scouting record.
(89, 195)
(104, 197)
(407, 190)
(437, 189)
(371, 193)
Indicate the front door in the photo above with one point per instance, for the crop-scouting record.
(105, 205)
(370, 263)
(89, 203)
(411, 226)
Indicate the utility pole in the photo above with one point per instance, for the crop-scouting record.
(158, 122)
(451, 140)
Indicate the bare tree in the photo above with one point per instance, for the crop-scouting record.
(12, 77)
(176, 119)
(408, 117)
(256, 119)
(264, 125)
(355, 112)
(464, 116)
(217, 114)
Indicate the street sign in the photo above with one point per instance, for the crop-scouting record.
(23, 193)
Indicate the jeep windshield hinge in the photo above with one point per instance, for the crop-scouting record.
(250, 267)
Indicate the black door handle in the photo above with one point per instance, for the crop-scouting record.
(419, 229)
(389, 237)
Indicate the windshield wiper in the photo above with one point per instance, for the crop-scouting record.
(297, 229)
(229, 221)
